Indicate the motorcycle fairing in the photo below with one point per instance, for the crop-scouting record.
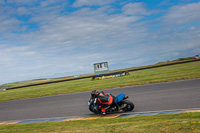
(120, 97)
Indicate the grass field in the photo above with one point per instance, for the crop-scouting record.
(171, 123)
(155, 75)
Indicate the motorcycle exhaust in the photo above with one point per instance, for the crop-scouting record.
(125, 97)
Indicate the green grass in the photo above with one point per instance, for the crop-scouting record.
(31, 82)
(148, 76)
(171, 123)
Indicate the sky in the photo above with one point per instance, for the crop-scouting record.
(57, 38)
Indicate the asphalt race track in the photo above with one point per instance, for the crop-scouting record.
(151, 97)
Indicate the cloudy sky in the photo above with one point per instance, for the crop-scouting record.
(55, 38)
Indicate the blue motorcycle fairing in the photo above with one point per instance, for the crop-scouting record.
(120, 97)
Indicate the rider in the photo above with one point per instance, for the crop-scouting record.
(103, 100)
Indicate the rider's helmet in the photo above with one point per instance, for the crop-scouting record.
(94, 93)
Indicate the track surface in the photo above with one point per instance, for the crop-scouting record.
(152, 97)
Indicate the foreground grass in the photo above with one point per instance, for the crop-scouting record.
(171, 123)
(148, 76)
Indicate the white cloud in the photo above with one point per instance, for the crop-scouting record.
(27, 2)
(2, 2)
(135, 9)
(22, 11)
(183, 14)
(80, 3)
(46, 3)
(8, 24)
(88, 31)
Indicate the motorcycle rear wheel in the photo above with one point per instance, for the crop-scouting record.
(130, 106)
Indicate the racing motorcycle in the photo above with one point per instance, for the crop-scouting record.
(120, 104)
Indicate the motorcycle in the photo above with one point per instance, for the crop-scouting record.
(120, 104)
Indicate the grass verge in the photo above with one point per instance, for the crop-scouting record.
(155, 75)
(170, 123)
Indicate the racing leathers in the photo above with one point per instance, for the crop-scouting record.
(103, 101)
